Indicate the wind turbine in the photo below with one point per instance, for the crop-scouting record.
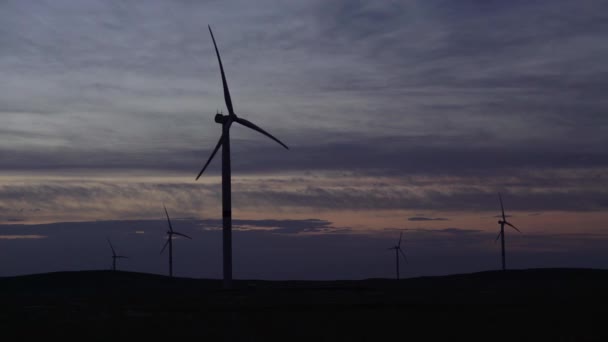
(224, 141)
(501, 234)
(169, 242)
(398, 251)
(114, 256)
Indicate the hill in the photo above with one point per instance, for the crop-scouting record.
(535, 304)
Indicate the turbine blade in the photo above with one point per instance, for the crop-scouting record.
(403, 255)
(512, 226)
(122, 256)
(249, 124)
(226, 91)
(180, 234)
(498, 237)
(168, 219)
(400, 236)
(113, 252)
(217, 147)
(166, 244)
(502, 207)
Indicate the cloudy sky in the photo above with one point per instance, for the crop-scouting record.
(400, 115)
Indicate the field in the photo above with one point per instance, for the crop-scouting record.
(535, 304)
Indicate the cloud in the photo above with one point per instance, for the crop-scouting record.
(275, 226)
(466, 198)
(74, 198)
(420, 218)
(270, 254)
(126, 89)
(444, 103)
(21, 237)
(425, 154)
(459, 231)
(452, 231)
(288, 226)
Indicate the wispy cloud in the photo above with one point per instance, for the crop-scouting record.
(21, 237)
(43, 199)
(422, 219)
(455, 231)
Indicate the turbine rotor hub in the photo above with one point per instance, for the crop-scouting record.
(221, 119)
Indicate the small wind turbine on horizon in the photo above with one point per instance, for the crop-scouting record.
(169, 242)
(501, 234)
(398, 251)
(115, 256)
(224, 141)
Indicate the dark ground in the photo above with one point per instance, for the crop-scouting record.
(530, 305)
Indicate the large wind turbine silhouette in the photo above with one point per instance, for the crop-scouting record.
(115, 256)
(169, 242)
(398, 251)
(224, 141)
(501, 234)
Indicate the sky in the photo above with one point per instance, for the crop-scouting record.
(401, 116)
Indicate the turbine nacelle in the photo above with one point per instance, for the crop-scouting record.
(221, 118)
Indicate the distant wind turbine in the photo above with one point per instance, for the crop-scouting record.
(169, 242)
(501, 234)
(398, 251)
(224, 141)
(114, 256)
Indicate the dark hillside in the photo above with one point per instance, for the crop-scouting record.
(536, 304)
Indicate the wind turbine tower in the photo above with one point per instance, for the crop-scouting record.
(170, 234)
(115, 256)
(224, 142)
(398, 251)
(501, 234)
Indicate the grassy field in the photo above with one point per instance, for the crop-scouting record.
(531, 305)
